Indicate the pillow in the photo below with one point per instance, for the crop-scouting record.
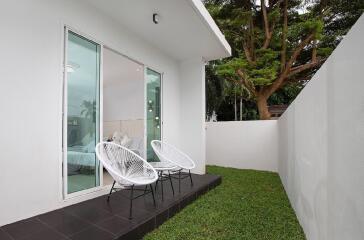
(117, 137)
(89, 148)
(125, 141)
(136, 142)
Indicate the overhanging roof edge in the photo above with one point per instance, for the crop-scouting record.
(205, 16)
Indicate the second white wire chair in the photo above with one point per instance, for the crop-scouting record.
(127, 169)
(175, 157)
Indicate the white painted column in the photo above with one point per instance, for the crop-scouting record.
(192, 115)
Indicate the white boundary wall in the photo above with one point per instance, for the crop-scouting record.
(243, 144)
(321, 161)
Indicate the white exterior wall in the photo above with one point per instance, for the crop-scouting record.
(321, 160)
(243, 144)
(192, 124)
(31, 97)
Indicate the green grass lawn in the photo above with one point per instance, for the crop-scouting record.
(248, 204)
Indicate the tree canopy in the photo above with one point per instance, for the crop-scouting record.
(277, 46)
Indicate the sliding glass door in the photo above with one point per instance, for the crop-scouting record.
(81, 113)
(153, 110)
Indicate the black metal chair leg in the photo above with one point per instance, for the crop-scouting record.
(179, 181)
(189, 172)
(170, 179)
(112, 188)
(156, 184)
(131, 202)
(145, 189)
(162, 186)
(151, 189)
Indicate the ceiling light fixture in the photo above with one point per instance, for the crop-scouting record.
(71, 67)
(155, 18)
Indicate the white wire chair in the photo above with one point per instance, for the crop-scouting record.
(127, 169)
(168, 153)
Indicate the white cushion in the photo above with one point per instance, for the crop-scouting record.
(125, 141)
(89, 148)
(117, 137)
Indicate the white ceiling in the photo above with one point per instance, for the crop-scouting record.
(119, 69)
(185, 30)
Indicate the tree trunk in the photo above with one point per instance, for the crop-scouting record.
(241, 109)
(284, 35)
(262, 104)
(235, 109)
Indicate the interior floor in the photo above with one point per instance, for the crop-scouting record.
(108, 180)
(80, 182)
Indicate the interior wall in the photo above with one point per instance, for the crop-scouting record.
(192, 125)
(321, 146)
(31, 97)
(124, 101)
(123, 94)
(243, 144)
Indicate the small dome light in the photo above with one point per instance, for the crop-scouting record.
(155, 18)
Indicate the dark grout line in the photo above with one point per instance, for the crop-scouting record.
(50, 227)
(79, 218)
(1, 229)
(99, 227)
(94, 225)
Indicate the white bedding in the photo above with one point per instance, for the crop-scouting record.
(81, 158)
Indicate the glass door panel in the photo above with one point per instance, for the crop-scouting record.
(153, 111)
(82, 112)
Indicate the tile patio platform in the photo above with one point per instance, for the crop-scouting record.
(97, 219)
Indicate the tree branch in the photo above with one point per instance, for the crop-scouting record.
(252, 38)
(248, 45)
(268, 33)
(244, 81)
(272, 5)
(284, 75)
(298, 50)
(304, 67)
(248, 54)
(314, 52)
(284, 35)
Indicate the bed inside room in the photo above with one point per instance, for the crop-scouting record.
(123, 103)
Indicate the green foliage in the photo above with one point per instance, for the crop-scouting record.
(274, 15)
(299, 30)
(229, 68)
(266, 67)
(324, 51)
(328, 20)
(286, 94)
(215, 90)
(261, 73)
(248, 204)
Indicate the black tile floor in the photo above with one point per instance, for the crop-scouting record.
(97, 219)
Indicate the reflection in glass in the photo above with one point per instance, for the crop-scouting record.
(153, 111)
(83, 80)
